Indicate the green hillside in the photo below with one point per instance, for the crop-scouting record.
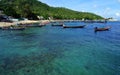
(33, 8)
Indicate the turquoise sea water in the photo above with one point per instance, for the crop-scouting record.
(57, 51)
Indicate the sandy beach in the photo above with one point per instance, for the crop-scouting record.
(2, 24)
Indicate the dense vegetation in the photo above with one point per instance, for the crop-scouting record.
(32, 8)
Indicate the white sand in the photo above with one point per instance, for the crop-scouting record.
(2, 24)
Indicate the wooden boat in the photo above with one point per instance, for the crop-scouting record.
(102, 29)
(101, 21)
(74, 26)
(31, 25)
(56, 24)
(42, 24)
(13, 28)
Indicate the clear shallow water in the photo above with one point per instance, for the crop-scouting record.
(57, 51)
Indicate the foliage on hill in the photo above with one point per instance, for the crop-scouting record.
(32, 8)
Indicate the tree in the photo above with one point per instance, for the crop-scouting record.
(31, 8)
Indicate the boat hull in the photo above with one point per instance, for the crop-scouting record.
(57, 25)
(13, 28)
(102, 29)
(74, 26)
(31, 25)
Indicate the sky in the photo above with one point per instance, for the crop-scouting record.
(104, 8)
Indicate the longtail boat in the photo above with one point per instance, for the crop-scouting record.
(30, 25)
(102, 29)
(13, 28)
(56, 24)
(81, 26)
